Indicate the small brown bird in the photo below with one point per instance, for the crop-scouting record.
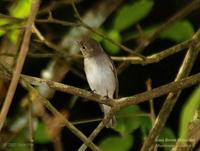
(100, 72)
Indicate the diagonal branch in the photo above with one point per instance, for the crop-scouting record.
(20, 62)
(68, 124)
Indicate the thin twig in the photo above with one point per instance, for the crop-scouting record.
(154, 58)
(56, 21)
(20, 62)
(151, 102)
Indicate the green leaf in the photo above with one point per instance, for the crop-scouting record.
(21, 9)
(178, 32)
(111, 48)
(145, 124)
(13, 34)
(117, 143)
(127, 120)
(132, 13)
(188, 112)
(3, 22)
(166, 139)
(41, 135)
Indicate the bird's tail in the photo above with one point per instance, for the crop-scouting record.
(113, 122)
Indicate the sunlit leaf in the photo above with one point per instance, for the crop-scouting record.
(21, 8)
(117, 143)
(180, 31)
(13, 35)
(111, 48)
(188, 111)
(41, 135)
(132, 13)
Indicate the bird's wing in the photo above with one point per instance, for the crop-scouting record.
(111, 63)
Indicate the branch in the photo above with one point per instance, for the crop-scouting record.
(20, 62)
(68, 89)
(121, 102)
(154, 58)
(50, 19)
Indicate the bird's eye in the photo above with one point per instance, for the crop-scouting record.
(83, 47)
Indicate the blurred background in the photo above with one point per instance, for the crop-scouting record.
(129, 22)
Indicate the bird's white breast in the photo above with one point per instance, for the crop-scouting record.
(100, 76)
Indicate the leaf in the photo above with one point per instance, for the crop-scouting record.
(3, 22)
(117, 143)
(111, 48)
(41, 135)
(13, 35)
(166, 139)
(21, 9)
(145, 124)
(127, 121)
(178, 32)
(188, 111)
(132, 13)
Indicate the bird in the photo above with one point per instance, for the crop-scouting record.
(100, 73)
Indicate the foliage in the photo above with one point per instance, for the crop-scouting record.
(19, 9)
(187, 114)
